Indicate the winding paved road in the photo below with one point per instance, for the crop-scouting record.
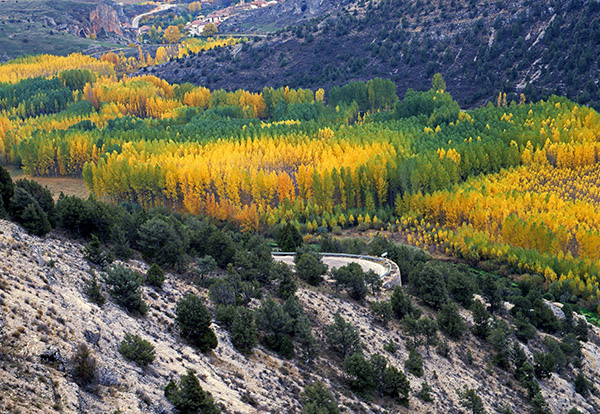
(336, 261)
(136, 20)
(386, 269)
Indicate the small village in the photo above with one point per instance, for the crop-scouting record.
(196, 27)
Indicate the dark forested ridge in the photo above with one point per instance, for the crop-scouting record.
(535, 47)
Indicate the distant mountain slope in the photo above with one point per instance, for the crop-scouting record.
(535, 47)
(281, 15)
(58, 26)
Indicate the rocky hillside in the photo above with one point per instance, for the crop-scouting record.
(59, 26)
(280, 15)
(44, 316)
(482, 47)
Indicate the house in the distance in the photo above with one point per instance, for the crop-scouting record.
(144, 30)
(195, 28)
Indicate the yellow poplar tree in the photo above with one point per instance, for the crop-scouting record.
(161, 55)
(210, 30)
(172, 34)
(320, 95)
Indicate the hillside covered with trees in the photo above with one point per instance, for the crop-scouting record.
(89, 324)
(535, 47)
(490, 214)
(354, 156)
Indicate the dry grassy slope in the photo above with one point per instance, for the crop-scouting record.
(42, 306)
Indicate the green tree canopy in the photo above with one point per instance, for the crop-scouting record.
(288, 238)
(188, 397)
(317, 399)
(310, 269)
(193, 321)
(343, 337)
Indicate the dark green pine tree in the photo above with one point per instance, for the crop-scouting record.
(7, 190)
(95, 253)
(188, 397)
(243, 330)
(155, 276)
(193, 320)
(289, 238)
(317, 399)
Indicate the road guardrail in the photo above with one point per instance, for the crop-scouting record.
(390, 278)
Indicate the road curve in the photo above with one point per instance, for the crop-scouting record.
(386, 269)
(336, 261)
(136, 20)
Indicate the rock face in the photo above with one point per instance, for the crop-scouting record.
(104, 17)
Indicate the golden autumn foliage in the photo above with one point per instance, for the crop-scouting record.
(142, 96)
(253, 101)
(229, 175)
(126, 65)
(193, 46)
(199, 97)
(516, 184)
(551, 210)
(194, 7)
(172, 34)
(149, 96)
(49, 65)
(320, 95)
(161, 55)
